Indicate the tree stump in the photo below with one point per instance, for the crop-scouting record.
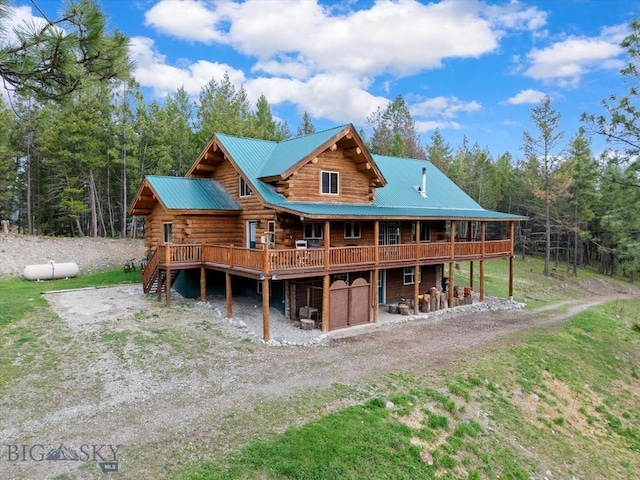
(307, 324)
(393, 309)
(403, 308)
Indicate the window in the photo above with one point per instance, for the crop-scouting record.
(166, 232)
(425, 231)
(340, 276)
(245, 191)
(409, 275)
(312, 230)
(352, 230)
(329, 183)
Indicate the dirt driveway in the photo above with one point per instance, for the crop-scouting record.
(153, 388)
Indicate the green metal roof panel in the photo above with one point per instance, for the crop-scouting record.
(287, 153)
(177, 193)
(398, 198)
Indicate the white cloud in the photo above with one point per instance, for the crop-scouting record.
(527, 96)
(565, 62)
(404, 37)
(431, 125)
(152, 70)
(184, 19)
(444, 107)
(337, 97)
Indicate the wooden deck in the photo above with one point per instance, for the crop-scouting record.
(289, 263)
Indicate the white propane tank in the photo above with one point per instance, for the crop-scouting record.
(50, 271)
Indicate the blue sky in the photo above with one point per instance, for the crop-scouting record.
(467, 67)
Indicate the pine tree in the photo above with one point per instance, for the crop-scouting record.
(543, 160)
(306, 126)
(52, 60)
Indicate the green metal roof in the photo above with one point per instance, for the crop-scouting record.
(398, 198)
(289, 152)
(179, 193)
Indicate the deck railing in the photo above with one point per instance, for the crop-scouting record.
(313, 259)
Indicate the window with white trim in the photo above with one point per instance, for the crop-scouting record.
(352, 230)
(425, 231)
(167, 227)
(409, 275)
(312, 230)
(329, 183)
(245, 191)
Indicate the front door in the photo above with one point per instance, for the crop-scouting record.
(389, 233)
(252, 228)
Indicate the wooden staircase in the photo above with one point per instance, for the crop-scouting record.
(154, 278)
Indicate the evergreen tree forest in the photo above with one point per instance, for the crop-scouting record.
(71, 163)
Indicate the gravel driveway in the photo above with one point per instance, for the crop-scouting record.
(169, 385)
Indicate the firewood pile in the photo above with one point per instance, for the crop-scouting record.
(434, 300)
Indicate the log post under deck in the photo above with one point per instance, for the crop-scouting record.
(203, 284)
(266, 334)
(228, 294)
(416, 273)
(453, 256)
(471, 275)
(483, 227)
(167, 290)
(511, 236)
(376, 290)
(326, 284)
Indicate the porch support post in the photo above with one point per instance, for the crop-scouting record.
(376, 299)
(167, 284)
(483, 226)
(167, 290)
(482, 280)
(511, 236)
(451, 282)
(453, 256)
(327, 244)
(416, 290)
(325, 303)
(471, 274)
(266, 334)
(416, 273)
(228, 294)
(203, 284)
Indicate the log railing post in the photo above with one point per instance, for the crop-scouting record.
(327, 244)
(376, 242)
(265, 259)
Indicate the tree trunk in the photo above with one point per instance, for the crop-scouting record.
(92, 205)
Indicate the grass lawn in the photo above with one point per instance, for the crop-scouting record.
(563, 401)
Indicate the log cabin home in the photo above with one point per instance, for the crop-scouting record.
(315, 226)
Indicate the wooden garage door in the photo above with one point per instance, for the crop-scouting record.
(339, 305)
(349, 304)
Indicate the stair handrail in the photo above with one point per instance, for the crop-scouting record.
(150, 269)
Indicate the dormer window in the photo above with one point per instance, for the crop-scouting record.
(245, 191)
(329, 183)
